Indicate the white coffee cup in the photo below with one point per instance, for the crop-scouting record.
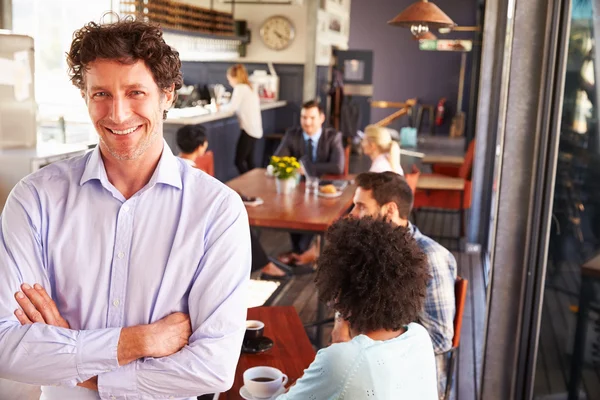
(264, 382)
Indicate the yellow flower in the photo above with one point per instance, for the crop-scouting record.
(281, 165)
(288, 170)
(295, 165)
(275, 158)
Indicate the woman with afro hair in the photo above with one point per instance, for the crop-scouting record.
(374, 274)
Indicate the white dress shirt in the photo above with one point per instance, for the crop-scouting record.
(181, 243)
(246, 104)
(382, 164)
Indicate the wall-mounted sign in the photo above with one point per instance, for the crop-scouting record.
(446, 45)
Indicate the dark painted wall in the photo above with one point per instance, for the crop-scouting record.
(401, 70)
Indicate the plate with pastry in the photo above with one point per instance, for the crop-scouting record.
(329, 191)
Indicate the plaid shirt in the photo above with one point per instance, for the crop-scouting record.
(438, 313)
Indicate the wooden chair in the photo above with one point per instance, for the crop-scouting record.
(459, 171)
(413, 178)
(206, 163)
(460, 294)
(454, 200)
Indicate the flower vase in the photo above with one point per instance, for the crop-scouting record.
(285, 186)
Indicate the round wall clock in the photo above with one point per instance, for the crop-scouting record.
(277, 32)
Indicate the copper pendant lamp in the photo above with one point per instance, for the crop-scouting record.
(422, 16)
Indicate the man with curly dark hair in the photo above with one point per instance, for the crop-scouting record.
(376, 276)
(132, 265)
(387, 196)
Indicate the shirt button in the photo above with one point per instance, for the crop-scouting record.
(113, 398)
(125, 208)
(116, 303)
(121, 254)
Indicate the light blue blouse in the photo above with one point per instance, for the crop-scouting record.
(363, 368)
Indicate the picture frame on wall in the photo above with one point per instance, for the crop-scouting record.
(335, 24)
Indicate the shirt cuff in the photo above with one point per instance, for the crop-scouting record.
(119, 384)
(97, 352)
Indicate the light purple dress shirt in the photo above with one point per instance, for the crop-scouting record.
(181, 243)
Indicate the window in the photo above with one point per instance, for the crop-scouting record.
(51, 23)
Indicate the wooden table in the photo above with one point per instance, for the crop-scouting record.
(440, 182)
(291, 353)
(442, 159)
(294, 212)
(590, 273)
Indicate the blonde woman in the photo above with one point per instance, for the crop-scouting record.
(383, 151)
(246, 104)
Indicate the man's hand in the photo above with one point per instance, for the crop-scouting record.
(169, 335)
(341, 331)
(91, 383)
(37, 306)
(159, 339)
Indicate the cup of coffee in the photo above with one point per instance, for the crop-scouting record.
(264, 382)
(254, 330)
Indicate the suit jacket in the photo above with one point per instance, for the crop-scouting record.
(330, 151)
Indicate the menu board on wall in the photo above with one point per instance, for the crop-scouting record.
(446, 45)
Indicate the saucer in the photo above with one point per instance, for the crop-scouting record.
(246, 394)
(257, 346)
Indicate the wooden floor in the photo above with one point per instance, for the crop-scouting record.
(556, 337)
(301, 293)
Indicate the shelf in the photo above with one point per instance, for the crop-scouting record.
(242, 39)
(184, 18)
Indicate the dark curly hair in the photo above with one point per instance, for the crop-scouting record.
(373, 273)
(127, 41)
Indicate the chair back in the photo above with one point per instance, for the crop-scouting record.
(460, 294)
(413, 178)
(467, 166)
(206, 163)
(346, 160)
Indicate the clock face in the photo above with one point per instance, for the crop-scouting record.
(277, 32)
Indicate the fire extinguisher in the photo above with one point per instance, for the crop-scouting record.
(440, 111)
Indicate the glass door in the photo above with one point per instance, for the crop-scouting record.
(561, 371)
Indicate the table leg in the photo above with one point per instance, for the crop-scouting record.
(585, 298)
(321, 308)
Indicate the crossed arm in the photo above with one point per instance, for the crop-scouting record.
(159, 339)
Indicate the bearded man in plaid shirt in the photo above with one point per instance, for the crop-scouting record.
(386, 195)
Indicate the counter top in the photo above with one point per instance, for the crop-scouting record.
(43, 150)
(201, 119)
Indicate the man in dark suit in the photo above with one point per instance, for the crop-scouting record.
(320, 150)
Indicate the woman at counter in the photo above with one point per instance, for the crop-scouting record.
(246, 104)
(383, 151)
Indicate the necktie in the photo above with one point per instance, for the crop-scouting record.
(310, 150)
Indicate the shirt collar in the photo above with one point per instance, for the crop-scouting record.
(315, 138)
(167, 170)
(414, 231)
